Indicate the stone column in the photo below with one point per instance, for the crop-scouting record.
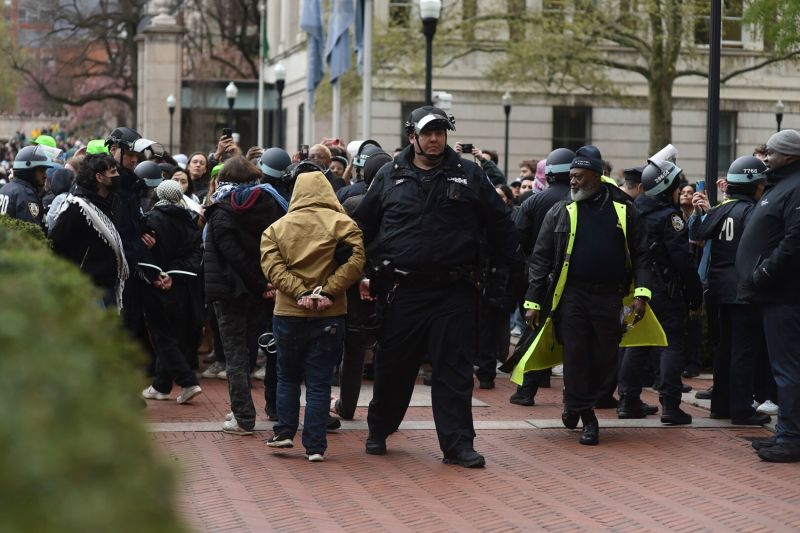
(159, 75)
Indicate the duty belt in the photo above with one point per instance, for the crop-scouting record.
(432, 278)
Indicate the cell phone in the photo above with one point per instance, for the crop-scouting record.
(701, 186)
(227, 132)
(303, 152)
(466, 148)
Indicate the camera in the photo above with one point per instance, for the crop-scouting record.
(466, 148)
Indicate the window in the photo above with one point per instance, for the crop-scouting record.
(726, 150)
(405, 109)
(571, 127)
(400, 13)
(732, 11)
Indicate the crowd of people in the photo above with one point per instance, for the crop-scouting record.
(346, 262)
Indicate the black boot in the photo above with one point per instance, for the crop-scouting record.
(570, 419)
(591, 428)
(527, 391)
(672, 414)
(630, 406)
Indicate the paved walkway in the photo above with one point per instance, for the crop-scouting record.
(642, 477)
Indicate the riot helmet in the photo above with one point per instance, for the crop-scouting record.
(124, 138)
(557, 165)
(746, 170)
(660, 177)
(274, 162)
(34, 156)
(150, 172)
(429, 117)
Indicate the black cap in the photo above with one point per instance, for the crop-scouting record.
(633, 174)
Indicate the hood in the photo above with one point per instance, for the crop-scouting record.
(312, 189)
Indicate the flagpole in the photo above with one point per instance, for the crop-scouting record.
(262, 9)
(308, 119)
(366, 96)
(337, 107)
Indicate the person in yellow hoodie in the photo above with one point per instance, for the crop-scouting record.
(311, 255)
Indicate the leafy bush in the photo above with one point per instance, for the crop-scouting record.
(74, 451)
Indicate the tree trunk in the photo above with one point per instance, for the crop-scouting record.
(660, 93)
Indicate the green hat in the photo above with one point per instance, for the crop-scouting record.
(216, 169)
(46, 140)
(96, 146)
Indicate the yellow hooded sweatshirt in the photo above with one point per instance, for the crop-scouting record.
(297, 250)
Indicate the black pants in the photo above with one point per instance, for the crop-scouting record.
(219, 349)
(671, 313)
(589, 327)
(782, 329)
(356, 343)
(172, 335)
(438, 322)
(494, 338)
(741, 343)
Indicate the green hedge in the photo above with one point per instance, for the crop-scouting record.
(74, 451)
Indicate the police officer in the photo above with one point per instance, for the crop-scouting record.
(590, 250)
(676, 285)
(741, 335)
(528, 219)
(358, 186)
(632, 182)
(766, 263)
(21, 197)
(423, 218)
(273, 164)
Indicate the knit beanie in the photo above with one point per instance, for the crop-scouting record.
(786, 142)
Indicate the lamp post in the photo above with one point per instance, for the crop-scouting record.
(231, 91)
(280, 82)
(779, 113)
(171, 107)
(429, 11)
(507, 110)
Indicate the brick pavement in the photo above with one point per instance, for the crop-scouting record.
(637, 479)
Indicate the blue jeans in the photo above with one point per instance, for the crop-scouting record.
(307, 348)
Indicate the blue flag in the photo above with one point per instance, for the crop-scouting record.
(337, 50)
(360, 36)
(311, 23)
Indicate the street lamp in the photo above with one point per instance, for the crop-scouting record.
(231, 91)
(280, 82)
(507, 109)
(429, 11)
(171, 107)
(779, 113)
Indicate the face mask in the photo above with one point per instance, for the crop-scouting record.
(115, 182)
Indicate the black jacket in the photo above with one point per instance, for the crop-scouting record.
(178, 242)
(530, 215)
(433, 220)
(233, 243)
(75, 239)
(544, 265)
(128, 215)
(354, 189)
(722, 227)
(768, 258)
(673, 263)
(20, 199)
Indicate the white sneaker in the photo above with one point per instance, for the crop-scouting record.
(558, 370)
(187, 393)
(315, 457)
(223, 375)
(229, 416)
(152, 394)
(516, 332)
(260, 373)
(755, 404)
(213, 369)
(232, 426)
(767, 408)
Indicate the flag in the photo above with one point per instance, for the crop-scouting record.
(311, 23)
(360, 37)
(337, 50)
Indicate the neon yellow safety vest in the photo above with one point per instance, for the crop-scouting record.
(545, 351)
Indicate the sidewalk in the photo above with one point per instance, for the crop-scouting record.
(642, 477)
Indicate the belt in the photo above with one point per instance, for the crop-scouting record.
(417, 278)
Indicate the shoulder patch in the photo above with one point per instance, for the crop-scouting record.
(33, 207)
(677, 222)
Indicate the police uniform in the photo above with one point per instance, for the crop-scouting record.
(676, 285)
(422, 229)
(20, 199)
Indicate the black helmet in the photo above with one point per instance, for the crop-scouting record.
(150, 172)
(558, 163)
(274, 162)
(660, 177)
(375, 163)
(123, 137)
(33, 156)
(367, 148)
(745, 170)
(427, 117)
(302, 167)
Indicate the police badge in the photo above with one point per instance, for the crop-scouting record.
(677, 222)
(33, 207)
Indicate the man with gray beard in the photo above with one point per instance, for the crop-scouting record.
(589, 252)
